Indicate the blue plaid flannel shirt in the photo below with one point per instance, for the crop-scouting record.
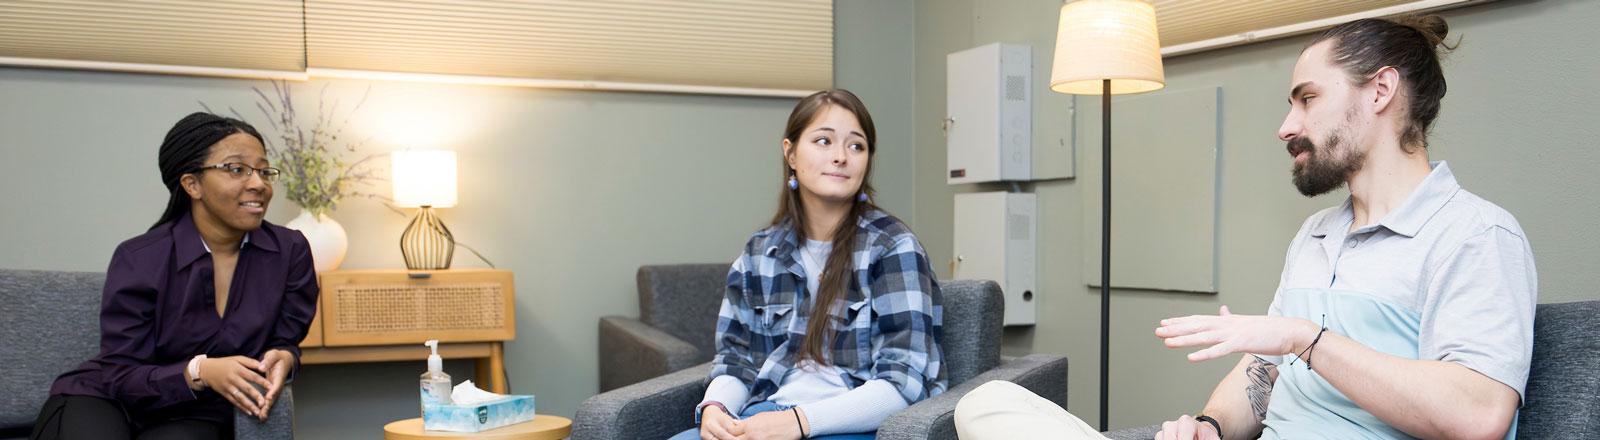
(890, 326)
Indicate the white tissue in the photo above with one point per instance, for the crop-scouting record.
(466, 393)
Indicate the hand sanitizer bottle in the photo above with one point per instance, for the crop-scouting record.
(435, 383)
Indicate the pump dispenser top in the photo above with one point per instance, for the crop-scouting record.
(435, 363)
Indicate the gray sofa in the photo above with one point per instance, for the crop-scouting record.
(1563, 384)
(52, 324)
(663, 406)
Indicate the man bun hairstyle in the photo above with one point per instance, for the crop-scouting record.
(1411, 45)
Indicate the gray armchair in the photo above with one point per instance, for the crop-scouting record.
(675, 329)
(660, 407)
(1563, 379)
(52, 323)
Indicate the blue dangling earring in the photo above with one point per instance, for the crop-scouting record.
(793, 184)
(861, 197)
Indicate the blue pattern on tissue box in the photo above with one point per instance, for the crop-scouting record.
(481, 416)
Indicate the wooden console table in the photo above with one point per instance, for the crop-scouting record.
(385, 315)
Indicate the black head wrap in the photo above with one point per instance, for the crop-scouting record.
(186, 146)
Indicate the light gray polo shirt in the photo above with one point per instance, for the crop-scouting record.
(1447, 276)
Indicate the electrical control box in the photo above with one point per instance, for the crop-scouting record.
(995, 236)
(989, 114)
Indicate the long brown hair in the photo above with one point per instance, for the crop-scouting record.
(836, 273)
(1409, 44)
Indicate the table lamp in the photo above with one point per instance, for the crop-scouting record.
(425, 179)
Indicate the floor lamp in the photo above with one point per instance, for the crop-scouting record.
(1106, 47)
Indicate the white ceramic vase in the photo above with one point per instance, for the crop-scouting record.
(328, 240)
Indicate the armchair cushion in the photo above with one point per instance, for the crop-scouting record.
(51, 325)
(682, 300)
(279, 424)
(631, 351)
(656, 408)
(934, 418)
(974, 311)
(1565, 374)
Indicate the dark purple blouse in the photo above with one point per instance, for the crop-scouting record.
(159, 310)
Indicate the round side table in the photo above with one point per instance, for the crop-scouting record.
(542, 427)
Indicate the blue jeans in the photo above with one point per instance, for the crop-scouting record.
(694, 434)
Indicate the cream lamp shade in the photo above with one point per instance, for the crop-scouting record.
(1107, 39)
(424, 178)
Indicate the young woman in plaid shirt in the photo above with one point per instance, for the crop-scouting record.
(813, 343)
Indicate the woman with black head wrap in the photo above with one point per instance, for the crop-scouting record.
(201, 314)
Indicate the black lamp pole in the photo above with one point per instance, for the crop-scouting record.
(1105, 250)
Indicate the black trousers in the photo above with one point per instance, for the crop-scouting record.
(93, 418)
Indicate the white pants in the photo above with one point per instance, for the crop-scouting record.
(1004, 410)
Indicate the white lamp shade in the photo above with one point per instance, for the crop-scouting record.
(424, 178)
(1107, 39)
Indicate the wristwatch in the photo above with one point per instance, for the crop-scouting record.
(1213, 422)
(194, 371)
(700, 409)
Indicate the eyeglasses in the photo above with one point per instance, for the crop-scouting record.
(240, 171)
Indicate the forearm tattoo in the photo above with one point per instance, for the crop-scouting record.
(1259, 390)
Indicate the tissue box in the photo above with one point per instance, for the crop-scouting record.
(480, 416)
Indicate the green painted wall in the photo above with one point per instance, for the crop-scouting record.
(1517, 126)
(873, 59)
